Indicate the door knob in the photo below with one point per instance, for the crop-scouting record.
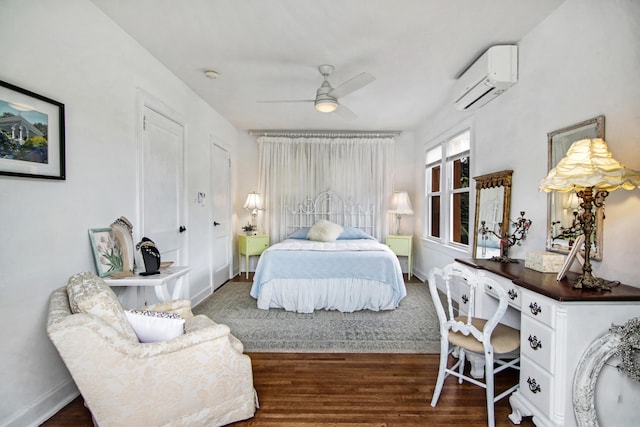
(182, 229)
(215, 223)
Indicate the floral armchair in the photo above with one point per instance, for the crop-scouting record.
(199, 378)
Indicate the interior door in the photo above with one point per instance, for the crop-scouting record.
(220, 215)
(162, 207)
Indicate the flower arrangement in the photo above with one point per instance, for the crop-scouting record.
(248, 228)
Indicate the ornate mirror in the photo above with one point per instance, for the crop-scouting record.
(562, 208)
(493, 200)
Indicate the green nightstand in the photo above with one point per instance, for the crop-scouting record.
(251, 245)
(401, 245)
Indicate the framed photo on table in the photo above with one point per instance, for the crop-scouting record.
(31, 134)
(573, 255)
(107, 252)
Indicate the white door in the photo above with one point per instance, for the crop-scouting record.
(162, 207)
(220, 215)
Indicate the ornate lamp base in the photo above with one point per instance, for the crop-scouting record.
(503, 259)
(588, 281)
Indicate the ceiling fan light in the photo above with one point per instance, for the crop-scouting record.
(326, 106)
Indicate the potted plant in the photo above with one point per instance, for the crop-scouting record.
(248, 229)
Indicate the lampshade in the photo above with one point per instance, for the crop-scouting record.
(589, 163)
(326, 105)
(253, 202)
(401, 204)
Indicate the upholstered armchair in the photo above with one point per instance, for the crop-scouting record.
(199, 378)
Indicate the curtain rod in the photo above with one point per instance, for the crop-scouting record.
(324, 133)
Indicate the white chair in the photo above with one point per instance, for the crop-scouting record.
(465, 333)
(200, 378)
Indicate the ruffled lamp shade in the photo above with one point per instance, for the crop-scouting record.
(589, 163)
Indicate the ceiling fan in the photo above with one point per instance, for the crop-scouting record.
(326, 100)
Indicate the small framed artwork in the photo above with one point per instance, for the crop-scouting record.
(573, 255)
(107, 252)
(31, 134)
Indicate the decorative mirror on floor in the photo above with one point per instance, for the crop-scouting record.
(493, 200)
(562, 208)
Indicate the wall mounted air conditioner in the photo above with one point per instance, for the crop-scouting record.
(489, 76)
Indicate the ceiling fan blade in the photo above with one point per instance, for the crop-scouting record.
(345, 112)
(357, 82)
(287, 100)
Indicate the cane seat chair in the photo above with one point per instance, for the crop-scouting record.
(463, 333)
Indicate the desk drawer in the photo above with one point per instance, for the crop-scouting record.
(536, 385)
(514, 293)
(537, 342)
(538, 307)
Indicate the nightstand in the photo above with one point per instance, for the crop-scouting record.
(401, 245)
(251, 245)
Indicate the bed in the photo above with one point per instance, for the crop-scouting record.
(343, 268)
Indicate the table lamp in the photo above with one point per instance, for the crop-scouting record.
(253, 204)
(590, 170)
(401, 205)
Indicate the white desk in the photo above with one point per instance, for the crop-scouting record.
(557, 323)
(158, 281)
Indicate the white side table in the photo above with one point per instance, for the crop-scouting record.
(158, 281)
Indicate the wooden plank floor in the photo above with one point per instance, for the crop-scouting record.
(351, 390)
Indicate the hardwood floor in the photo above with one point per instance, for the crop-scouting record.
(351, 390)
(381, 390)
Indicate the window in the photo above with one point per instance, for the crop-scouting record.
(447, 189)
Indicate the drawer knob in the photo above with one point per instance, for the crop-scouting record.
(535, 308)
(465, 298)
(533, 385)
(513, 294)
(534, 343)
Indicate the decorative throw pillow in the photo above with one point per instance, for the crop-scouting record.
(324, 231)
(352, 233)
(299, 234)
(153, 326)
(89, 294)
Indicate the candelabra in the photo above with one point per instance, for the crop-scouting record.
(507, 240)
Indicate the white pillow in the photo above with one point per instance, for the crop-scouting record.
(153, 326)
(324, 231)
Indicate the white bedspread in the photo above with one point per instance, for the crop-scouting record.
(346, 275)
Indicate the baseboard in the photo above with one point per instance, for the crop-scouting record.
(200, 296)
(420, 274)
(49, 405)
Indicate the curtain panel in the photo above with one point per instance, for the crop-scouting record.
(292, 169)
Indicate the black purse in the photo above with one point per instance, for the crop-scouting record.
(150, 256)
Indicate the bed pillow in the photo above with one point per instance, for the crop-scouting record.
(324, 231)
(299, 234)
(352, 233)
(153, 326)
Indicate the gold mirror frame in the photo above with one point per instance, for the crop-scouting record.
(493, 201)
(560, 210)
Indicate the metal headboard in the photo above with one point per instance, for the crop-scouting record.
(331, 206)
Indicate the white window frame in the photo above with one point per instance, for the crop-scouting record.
(446, 183)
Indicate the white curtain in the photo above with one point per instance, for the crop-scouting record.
(292, 169)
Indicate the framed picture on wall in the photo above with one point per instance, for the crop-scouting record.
(31, 134)
(107, 252)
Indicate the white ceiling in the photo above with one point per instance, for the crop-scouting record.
(270, 50)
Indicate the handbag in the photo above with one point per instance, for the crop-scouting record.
(150, 256)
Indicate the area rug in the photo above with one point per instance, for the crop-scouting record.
(411, 328)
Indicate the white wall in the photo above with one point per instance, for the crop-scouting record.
(582, 61)
(72, 53)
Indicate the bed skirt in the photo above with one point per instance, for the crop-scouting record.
(342, 294)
